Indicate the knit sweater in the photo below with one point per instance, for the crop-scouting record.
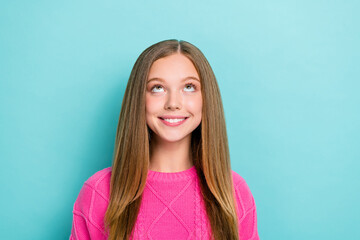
(171, 208)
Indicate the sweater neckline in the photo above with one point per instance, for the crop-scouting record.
(172, 176)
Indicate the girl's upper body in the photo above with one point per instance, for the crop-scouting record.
(171, 208)
(171, 175)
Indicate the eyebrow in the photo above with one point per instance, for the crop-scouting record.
(184, 79)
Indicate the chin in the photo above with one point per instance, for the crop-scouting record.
(172, 139)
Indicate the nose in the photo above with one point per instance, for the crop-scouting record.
(173, 101)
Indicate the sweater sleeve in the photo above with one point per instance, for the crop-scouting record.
(246, 212)
(84, 227)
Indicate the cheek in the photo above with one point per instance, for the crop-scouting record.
(195, 104)
(152, 105)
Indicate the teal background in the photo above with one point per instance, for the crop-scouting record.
(289, 77)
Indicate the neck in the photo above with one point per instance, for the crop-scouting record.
(170, 156)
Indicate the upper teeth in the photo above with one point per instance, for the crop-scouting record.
(174, 120)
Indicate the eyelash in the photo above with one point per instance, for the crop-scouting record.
(188, 84)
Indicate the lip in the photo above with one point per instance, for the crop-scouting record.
(172, 117)
(173, 124)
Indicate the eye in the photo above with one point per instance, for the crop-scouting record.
(156, 87)
(190, 86)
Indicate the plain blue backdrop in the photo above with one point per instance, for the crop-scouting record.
(289, 76)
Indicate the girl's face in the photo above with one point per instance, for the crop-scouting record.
(173, 98)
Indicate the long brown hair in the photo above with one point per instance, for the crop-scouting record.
(209, 146)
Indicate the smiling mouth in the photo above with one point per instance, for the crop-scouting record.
(173, 120)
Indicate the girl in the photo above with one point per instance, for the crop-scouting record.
(171, 176)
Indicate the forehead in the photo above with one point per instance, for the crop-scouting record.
(174, 66)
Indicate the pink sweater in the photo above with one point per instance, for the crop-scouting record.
(172, 208)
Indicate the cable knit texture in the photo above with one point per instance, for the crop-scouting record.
(172, 208)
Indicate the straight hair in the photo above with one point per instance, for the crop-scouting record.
(209, 146)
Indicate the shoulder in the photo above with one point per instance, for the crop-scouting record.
(100, 180)
(99, 183)
(95, 191)
(243, 195)
(237, 179)
(91, 203)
